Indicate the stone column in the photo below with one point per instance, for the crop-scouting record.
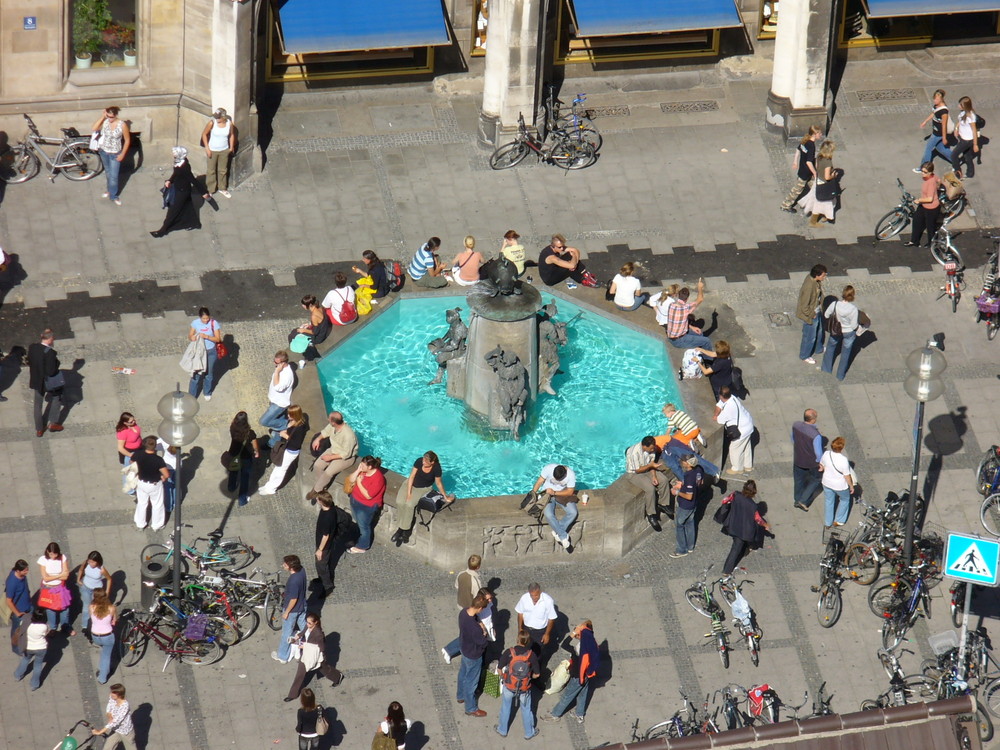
(510, 83)
(232, 63)
(803, 50)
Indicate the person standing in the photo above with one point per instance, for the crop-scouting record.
(518, 667)
(425, 268)
(472, 642)
(339, 457)
(939, 131)
(305, 721)
(454, 648)
(219, 141)
(47, 381)
(153, 473)
(244, 449)
(808, 311)
(112, 147)
(119, 721)
(536, 613)
(181, 213)
(91, 578)
(104, 616)
(586, 662)
(558, 484)
(928, 207)
(395, 725)
(367, 496)
(807, 450)
(645, 472)
(739, 428)
(847, 316)
(967, 131)
(294, 434)
(326, 535)
(206, 328)
(557, 262)
(823, 208)
(279, 394)
(35, 646)
(805, 168)
(129, 437)
(686, 490)
(425, 474)
(626, 289)
(680, 332)
(18, 596)
(169, 454)
(293, 603)
(53, 596)
(313, 643)
(838, 484)
(467, 584)
(744, 525)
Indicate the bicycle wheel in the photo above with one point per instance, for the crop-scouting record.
(992, 325)
(919, 686)
(572, 122)
(273, 610)
(881, 598)
(570, 154)
(861, 563)
(223, 631)
(509, 155)
(696, 598)
(891, 224)
(991, 696)
(952, 209)
(247, 619)
(163, 555)
(18, 165)
(984, 723)
(587, 135)
(943, 253)
(986, 471)
(235, 556)
(869, 705)
(663, 729)
(84, 164)
(723, 648)
(132, 644)
(830, 604)
(197, 653)
(894, 631)
(956, 295)
(989, 514)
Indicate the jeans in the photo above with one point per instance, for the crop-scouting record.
(684, 522)
(126, 462)
(812, 338)
(170, 491)
(846, 343)
(675, 449)
(805, 484)
(690, 340)
(363, 517)
(468, 681)
(211, 357)
(241, 478)
(507, 698)
(573, 690)
(935, 143)
(275, 418)
(31, 657)
(454, 648)
(641, 300)
(107, 644)
(111, 169)
(963, 152)
(86, 598)
(308, 743)
(57, 619)
(295, 621)
(839, 499)
(570, 512)
(15, 623)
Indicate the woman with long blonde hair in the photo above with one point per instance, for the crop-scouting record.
(103, 618)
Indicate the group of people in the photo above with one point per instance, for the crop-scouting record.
(829, 326)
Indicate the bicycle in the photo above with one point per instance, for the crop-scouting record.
(221, 553)
(900, 217)
(678, 725)
(954, 279)
(74, 159)
(215, 601)
(744, 617)
(577, 126)
(266, 595)
(986, 473)
(988, 301)
(989, 511)
(182, 610)
(903, 688)
(555, 148)
(830, 588)
(943, 249)
(902, 603)
(137, 630)
(700, 597)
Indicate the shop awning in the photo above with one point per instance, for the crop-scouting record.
(896, 8)
(350, 25)
(621, 17)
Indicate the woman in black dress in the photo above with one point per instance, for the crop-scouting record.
(181, 213)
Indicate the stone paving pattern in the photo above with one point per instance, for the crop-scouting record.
(388, 170)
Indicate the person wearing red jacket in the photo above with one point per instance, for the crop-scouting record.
(586, 662)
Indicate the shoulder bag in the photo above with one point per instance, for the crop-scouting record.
(827, 191)
(833, 326)
(322, 725)
(382, 741)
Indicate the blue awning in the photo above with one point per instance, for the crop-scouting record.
(897, 8)
(621, 17)
(350, 25)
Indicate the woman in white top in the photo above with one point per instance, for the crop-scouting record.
(219, 140)
(967, 131)
(336, 298)
(395, 725)
(838, 485)
(661, 302)
(626, 289)
(847, 315)
(54, 570)
(35, 647)
(465, 267)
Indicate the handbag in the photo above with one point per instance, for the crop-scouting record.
(231, 462)
(50, 598)
(432, 501)
(722, 513)
(95, 140)
(278, 452)
(491, 685)
(55, 382)
(300, 343)
(383, 741)
(733, 432)
(827, 191)
(221, 350)
(349, 484)
(863, 320)
(833, 326)
(322, 725)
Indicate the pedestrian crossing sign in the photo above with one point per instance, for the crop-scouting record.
(972, 559)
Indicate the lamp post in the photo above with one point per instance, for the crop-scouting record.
(923, 384)
(178, 429)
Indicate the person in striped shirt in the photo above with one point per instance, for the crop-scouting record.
(681, 433)
(425, 269)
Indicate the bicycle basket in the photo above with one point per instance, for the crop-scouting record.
(942, 643)
(988, 304)
(195, 628)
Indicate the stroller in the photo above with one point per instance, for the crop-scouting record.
(69, 742)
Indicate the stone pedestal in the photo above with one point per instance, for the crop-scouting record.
(803, 50)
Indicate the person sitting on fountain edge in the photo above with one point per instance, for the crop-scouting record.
(558, 484)
(557, 262)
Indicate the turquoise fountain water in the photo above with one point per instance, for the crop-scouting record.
(612, 387)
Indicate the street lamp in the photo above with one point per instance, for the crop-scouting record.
(178, 429)
(924, 384)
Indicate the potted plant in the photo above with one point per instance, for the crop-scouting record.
(117, 38)
(90, 18)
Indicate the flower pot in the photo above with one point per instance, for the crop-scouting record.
(84, 60)
(131, 58)
(108, 58)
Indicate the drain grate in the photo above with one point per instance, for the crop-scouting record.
(886, 95)
(779, 320)
(708, 105)
(618, 110)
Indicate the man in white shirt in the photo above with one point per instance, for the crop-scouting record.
(734, 417)
(536, 613)
(558, 484)
(279, 393)
(644, 471)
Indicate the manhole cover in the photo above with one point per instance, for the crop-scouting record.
(619, 110)
(709, 105)
(779, 319)
(886, 95)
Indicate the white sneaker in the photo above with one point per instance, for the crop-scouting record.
(208, 398)
(565, 542)
(226, 193)
(446, 655)
(302, 363)
(265, 491)
(555, 536)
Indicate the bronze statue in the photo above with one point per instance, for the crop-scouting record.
(512, 388)
(499, 276)
(551, 335)
(451, 345)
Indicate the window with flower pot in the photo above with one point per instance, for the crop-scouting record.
(103, 33)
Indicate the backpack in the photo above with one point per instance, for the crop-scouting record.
(737, 386)
(517, 677)
(394, 274)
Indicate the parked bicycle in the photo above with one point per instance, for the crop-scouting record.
(576, 123)
(903, 688)
(265, 594)
(556, 147)
(943, 249)
(744, 618)
(831, 581)
(954, 280)
(139, 629)
(988, 301)
(989, 511)
(700, 597)
(232, 554)
(73, 157)
(900, 603)
(900, 217)
(208, 595)
(168, 607)
(684, 723)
